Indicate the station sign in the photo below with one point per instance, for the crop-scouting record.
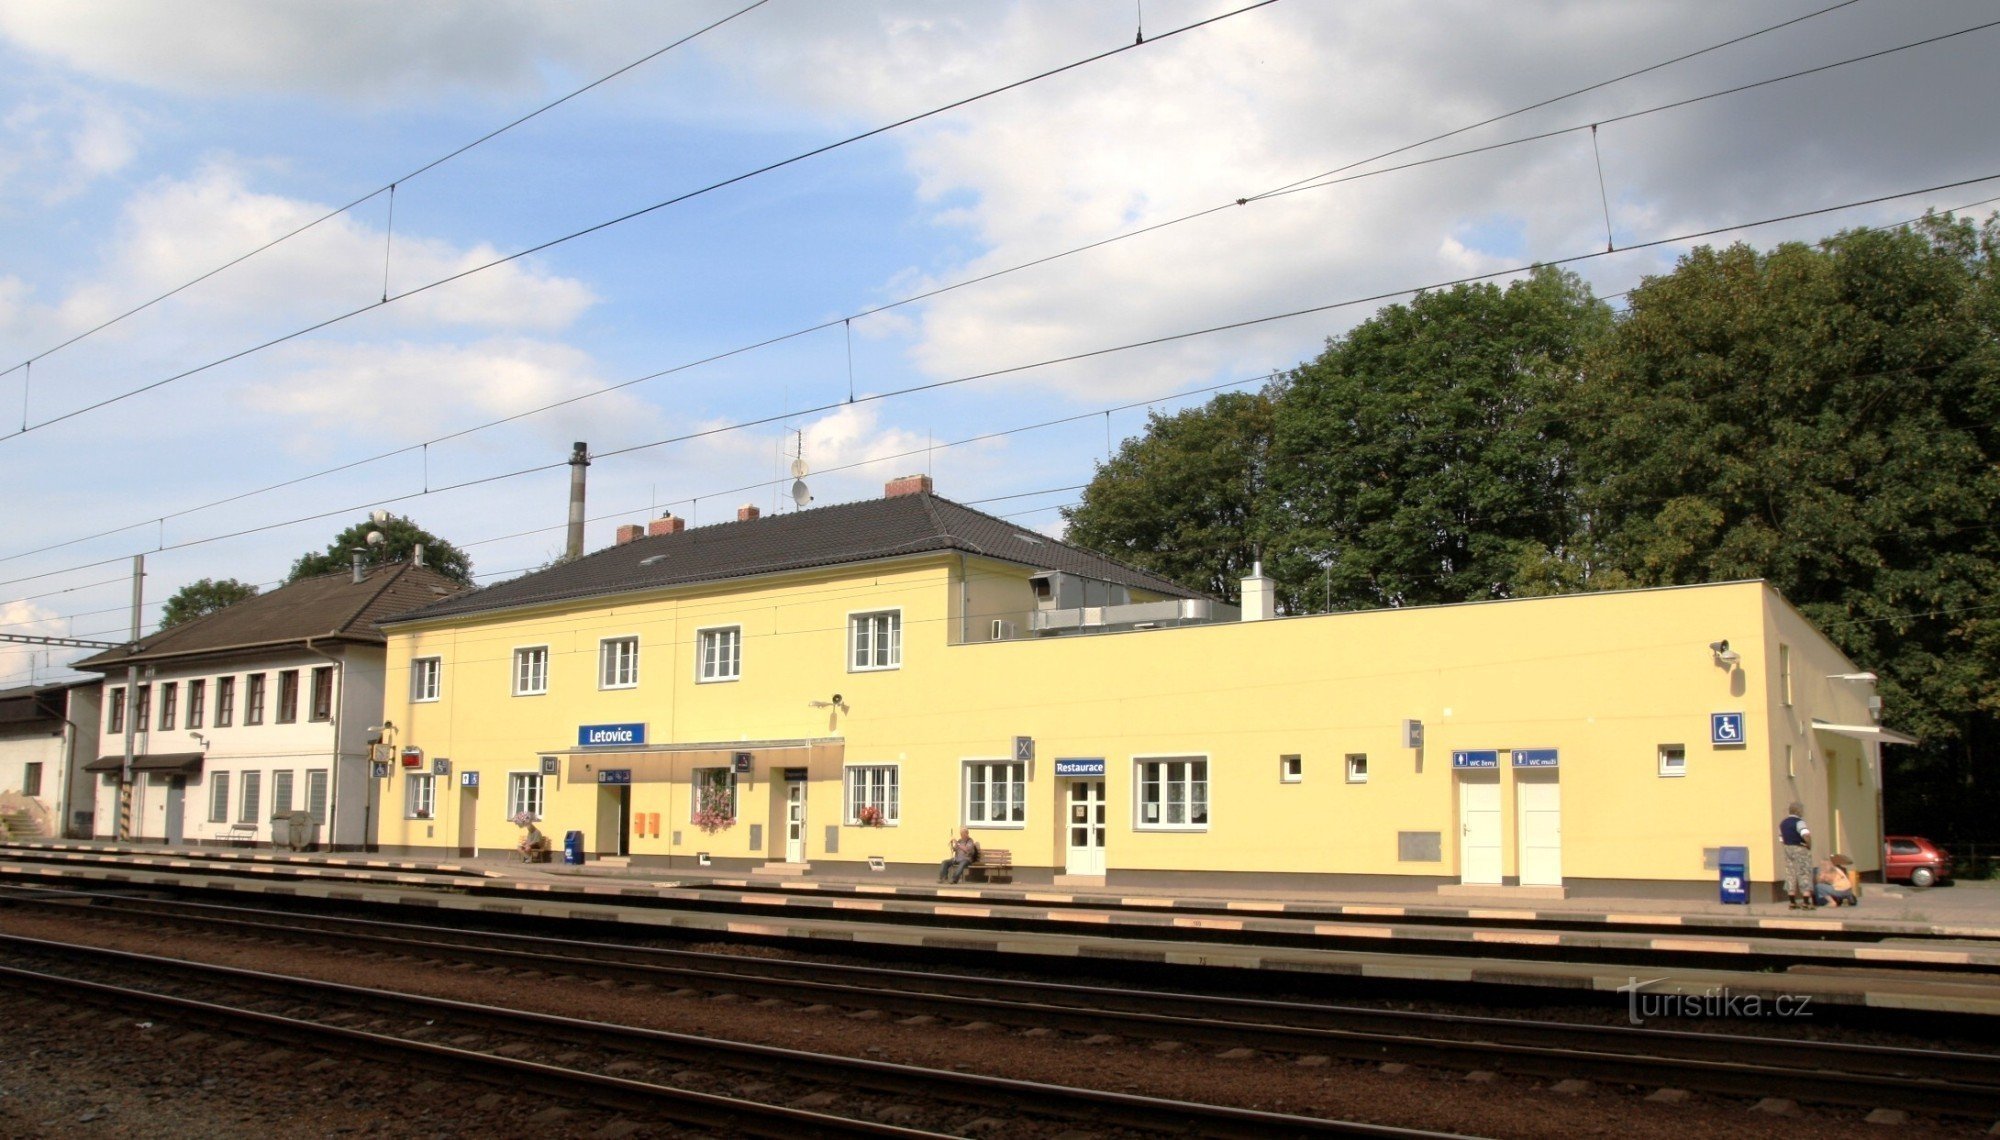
(1476, 758)
(1725, 728)
(614, 776)
(609, 735)
(1080, 767)
(1534, 758)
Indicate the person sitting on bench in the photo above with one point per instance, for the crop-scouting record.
(964, 853)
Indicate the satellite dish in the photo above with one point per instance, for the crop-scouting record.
(375, 538)
(799, 468)
(800, 494)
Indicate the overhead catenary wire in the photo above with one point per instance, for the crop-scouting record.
(1317, 182)
(1169, 338)
(631, 215)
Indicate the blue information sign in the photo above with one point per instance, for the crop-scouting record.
(469, 779)
(614, 776)
(1092, 767)
(609, 735)
(1725, 728)
(1476, 758)
(1534, 758)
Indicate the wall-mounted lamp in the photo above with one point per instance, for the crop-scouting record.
(1867, 678)
(837, 702)
(1724, 656)
(200, 739)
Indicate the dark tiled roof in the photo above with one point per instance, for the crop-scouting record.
(330, 606)
(825, 536)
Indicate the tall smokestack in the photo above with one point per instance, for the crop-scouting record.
(579, 458)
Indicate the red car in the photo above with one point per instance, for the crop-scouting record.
(1914, 860)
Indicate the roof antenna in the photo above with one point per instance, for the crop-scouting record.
(801, 494)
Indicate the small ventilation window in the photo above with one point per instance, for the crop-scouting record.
(651, 559)
(1029, 539)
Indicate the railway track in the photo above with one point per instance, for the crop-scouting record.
(1924, 1080)
(519, 1049)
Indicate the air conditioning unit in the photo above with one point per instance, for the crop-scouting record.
(1002, 629)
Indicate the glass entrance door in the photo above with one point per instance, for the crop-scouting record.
(1086, 827)
(795, 821)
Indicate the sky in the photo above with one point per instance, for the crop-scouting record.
(979, 240)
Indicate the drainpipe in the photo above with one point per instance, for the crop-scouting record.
(333, 772)
(72, 732)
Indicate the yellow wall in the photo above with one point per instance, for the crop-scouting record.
(1605, 678)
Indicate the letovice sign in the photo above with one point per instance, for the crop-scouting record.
(609, 735)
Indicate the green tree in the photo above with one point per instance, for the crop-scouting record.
(1426, 456)
(400, 537)
(1179, 500)
(1827, 417)
(199, 599)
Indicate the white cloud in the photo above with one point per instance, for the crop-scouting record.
(54, 148)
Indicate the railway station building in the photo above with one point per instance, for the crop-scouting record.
(846, 687)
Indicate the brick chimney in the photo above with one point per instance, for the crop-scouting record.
(666, 524)
(628, 532)
(907, 485)
(746, 512)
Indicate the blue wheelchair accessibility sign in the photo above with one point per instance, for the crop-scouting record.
(1725, 728)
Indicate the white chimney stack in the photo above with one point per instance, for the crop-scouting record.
(1260, 602)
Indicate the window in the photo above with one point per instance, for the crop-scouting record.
(225, 701)
(114, 714)
(288, 696)
(322, 693)
(875, 641)
(524, 793)
(531, 671)
(872, 788)
(1357, 768)
(218, 797)
(31, 778)
(420, 796)
(197, 703)
(253, 793)
(618, 663)
(1291, 769)
(281, 792)
(426, 675)
(719, 654)
(143, 713)
(1173, 794)
(170, 692)
(253, 699)
(996, 794)
(1785, 673)
(316, 794)
(1673, 760)
(714, 796)
(1791, 764)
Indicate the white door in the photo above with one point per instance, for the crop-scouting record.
(1479, 827)
(795, 821)
(1086, 827)
(1538, 806)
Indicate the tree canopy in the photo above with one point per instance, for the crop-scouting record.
(204, 597)
(400, 537)
(1180, 500)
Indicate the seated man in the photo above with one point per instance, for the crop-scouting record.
(964, 853)
(1835, 883)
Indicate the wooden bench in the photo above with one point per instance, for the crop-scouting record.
(536, 852)
(242, 833)
(995, 865)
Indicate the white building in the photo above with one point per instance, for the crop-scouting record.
(257, 710)
(45, 730)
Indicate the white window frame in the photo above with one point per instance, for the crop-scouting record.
(894, 631)
(1013, 809)
(426, 679)
(1357, 767)
(526, 792)
(531, 670)
(1291, 768)
(281, 778)
(872, 785)
(218, 797)
(420, 797)
(708, 668)
(1187, 783)
(626, 675)
(324, 779)
(1671, 771)
(698, 777)
(250, 795)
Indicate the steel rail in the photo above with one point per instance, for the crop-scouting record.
(1870, 1075)
(1126, 1109)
